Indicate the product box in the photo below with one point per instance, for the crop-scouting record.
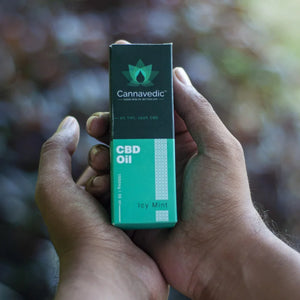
(143, 184)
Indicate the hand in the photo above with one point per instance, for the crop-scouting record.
(97, 260)
(215, 209)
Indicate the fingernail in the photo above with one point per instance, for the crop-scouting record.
(93, 153)
(100, 182)
(91, 118)
(97, 181)
(89, 122)
(182, 76)
(67, 123)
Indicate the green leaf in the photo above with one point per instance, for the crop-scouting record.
(153, 75)
(127, 75)
(133, 72)
(147, 72)
(140, 64)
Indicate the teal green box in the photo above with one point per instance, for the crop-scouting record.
(142, 147)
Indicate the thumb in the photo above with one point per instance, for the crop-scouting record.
(200, 118)
(69, 212)
(55, 159)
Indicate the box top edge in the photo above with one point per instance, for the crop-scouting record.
(142, 44)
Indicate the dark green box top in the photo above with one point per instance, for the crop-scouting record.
(141, 91)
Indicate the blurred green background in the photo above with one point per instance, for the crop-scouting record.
(244, 56)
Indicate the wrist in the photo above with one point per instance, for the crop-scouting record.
(100, 276)
(251, 263)
(229, 254)
(236, 256)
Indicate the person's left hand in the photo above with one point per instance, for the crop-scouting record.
(97, 260)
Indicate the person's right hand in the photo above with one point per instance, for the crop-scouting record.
(220, 248)
(215, 209)
(216, 214)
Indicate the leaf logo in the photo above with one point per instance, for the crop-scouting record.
(140, 74)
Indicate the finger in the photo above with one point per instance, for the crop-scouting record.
(200, 118)
(85, 176)
(55, 160)
(98, 185)
(122, 42)
(70, 213)
(99, 158)
(97, 126)
(180, 126)
(54, 176)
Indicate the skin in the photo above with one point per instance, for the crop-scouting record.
(205, 154)
(220, 248)
(97, 261)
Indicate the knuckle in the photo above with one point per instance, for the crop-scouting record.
(201, 101)
(233, 148)
(51, 144)
(228, 146)
(237, 146)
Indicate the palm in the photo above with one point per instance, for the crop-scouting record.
(146, 239)
(212, 191)
(199, 201)
(185, 148)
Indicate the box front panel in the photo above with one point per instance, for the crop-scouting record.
(142, 130)
(143, 181)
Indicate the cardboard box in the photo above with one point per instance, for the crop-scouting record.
(143, 177)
